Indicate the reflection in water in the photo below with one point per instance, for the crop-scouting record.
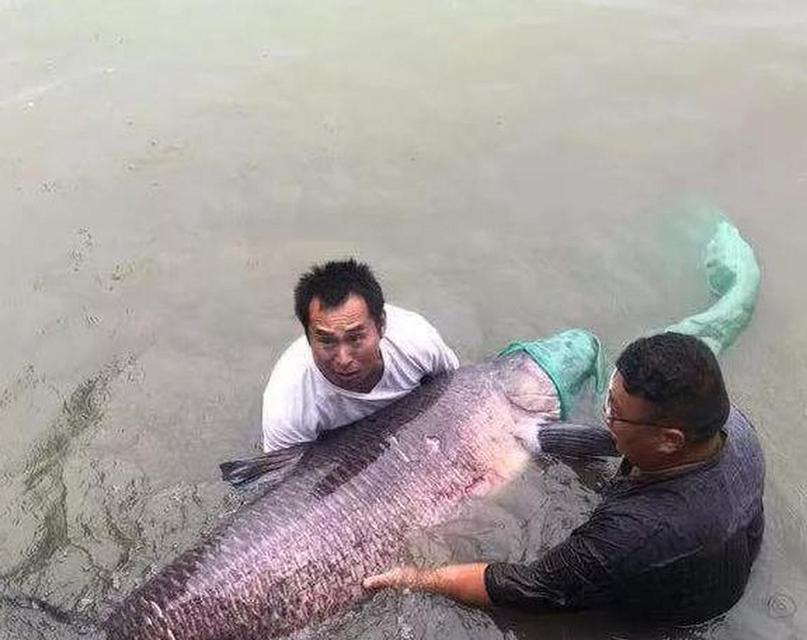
(80, 523)
(42, 492)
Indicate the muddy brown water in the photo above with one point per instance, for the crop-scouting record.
(509, 168)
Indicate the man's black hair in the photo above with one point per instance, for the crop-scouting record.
(679, 375)
(332, 283)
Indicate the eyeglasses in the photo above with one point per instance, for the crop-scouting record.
(609, 418)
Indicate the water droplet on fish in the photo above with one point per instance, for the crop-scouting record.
(433, 444)
(394, 444)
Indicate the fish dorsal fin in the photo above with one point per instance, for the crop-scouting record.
(270, 467)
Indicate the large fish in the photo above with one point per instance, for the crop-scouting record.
(341, 508)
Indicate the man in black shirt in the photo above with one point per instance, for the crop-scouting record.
(678, 528)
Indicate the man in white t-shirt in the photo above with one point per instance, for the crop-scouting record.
(357, 356)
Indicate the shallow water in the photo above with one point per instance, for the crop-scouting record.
(509, 168)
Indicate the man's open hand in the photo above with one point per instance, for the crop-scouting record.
(462, 582)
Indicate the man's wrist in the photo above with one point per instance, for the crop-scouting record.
(425, 580)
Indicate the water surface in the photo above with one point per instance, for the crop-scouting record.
(509, 168)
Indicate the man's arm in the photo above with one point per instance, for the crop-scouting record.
(280, 433)
(462, 582)
(573, 575)
(583, 441)
(283, 415)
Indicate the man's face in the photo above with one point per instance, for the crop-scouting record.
(345, 343)
(645, 443)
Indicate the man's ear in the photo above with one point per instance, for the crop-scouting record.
(672, 440)
(382, 323)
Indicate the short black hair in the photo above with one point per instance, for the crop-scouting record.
(679, 375)
(332, 283)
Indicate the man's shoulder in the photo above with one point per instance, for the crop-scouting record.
(297, 354)
(293, 366)
(410, 337)
(409, 330)
(740, 428)
(402, 320)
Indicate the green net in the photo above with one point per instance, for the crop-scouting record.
(572, 357)
(733, 276)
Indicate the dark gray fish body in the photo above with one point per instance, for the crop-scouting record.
(299, 552)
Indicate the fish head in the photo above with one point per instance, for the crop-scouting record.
(531, 396)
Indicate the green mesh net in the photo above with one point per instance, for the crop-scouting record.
(570, 359)
(573, 357)
(733, 277)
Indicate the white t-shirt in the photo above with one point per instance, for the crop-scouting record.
(299, 402)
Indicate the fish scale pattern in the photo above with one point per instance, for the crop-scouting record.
(298, 553)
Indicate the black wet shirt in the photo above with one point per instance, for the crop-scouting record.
(675, 548)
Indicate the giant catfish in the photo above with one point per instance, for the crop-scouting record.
(341, 508)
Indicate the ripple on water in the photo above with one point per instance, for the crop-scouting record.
(781, 605)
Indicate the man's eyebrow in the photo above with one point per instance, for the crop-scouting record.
(358, 328)
(355, 329)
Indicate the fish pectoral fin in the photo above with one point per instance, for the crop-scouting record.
(271, 467)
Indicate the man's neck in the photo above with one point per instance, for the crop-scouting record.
(369, 384)
(690, 455)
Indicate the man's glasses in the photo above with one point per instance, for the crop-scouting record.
(609, 418)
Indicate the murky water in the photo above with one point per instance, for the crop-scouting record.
(509, 168)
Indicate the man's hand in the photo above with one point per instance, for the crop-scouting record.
(397, 578)
(462, 582)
